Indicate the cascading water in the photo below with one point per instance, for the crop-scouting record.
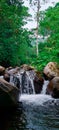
(31, 82)
(37, 98)
(39, 111)
(44, 87)
(24, 81)
(11, 79)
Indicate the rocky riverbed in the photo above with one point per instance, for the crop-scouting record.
(28, 80)
(38, 100)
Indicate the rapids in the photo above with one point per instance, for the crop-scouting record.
(34, 111)
(41, 111)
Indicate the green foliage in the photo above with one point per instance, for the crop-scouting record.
(12, 35)
(47, 54)
(49, 24)
(49, 50)
(16, 44)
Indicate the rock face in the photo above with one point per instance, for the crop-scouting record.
(38, 82)
(7, 77)
(10, 71)
(53, 87)
(27, 79)
(9, 94)
(2, 70)
(51, 70)
(26, 67)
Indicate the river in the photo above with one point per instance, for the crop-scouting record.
(34, 112)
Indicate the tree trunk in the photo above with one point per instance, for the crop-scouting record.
(37, 33)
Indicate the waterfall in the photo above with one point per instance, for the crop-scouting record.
(19, 76)
(44, 87)
(27, 83)
(11, 80)
(31, 81)
(24, 81)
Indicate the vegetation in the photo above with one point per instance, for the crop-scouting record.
(13, 37)
(16, 46)
(49, 50)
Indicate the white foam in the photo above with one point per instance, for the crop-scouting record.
(1, 77)
(37, 99)
(44, 87)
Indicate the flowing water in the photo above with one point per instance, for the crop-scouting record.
(24, 81)
(34, 112)
(44, 87)
(41, 112)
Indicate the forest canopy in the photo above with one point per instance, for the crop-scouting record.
(13, 36)
(16, 45)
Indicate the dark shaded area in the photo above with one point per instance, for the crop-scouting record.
(47, 78)
(12, 118)
(5, 118)
(38, 83)
(55, 93)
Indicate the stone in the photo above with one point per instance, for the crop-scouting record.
(10, 71)
(7, 77)
(53, 87)
(2, 70)
(26, 67)
(51, 70)
(9, 94)
(38, 84)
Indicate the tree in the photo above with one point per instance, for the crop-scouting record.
(49, 49)
(11, 30)
(37, 6)
(49, 25)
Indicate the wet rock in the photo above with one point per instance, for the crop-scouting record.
(9, 94)
(9, 68)
(51, 70)
(26, 67)
(53, 87)
(2, 70)
(38, 82)
(35, 80)
(27, 79)
(7, 77)
(10, 71)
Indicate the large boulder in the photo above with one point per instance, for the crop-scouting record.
(9, 94)
(53, 87)
(51, 70)
(10, 71)
(2, 70)
(38, 82)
